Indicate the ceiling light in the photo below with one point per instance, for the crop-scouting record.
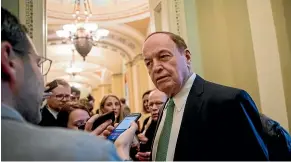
(83, 34)
(72, 70)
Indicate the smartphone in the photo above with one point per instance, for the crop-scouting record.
(123, 126)
(82, 127)
(103, 118)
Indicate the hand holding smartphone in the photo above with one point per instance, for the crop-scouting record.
(123, 126)
(100, 120)
(103, 118)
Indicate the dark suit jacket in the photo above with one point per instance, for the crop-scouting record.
(219, 123)
(47, 118)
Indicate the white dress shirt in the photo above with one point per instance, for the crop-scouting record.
(53, 112)
(180, 101)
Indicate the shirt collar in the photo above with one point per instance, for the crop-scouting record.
(53, 112)
(181, 97)
(10, 113)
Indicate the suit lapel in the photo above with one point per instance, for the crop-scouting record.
(190, 117)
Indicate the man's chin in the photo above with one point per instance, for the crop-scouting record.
(166, 88)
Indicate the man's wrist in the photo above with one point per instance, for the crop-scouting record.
(123, 154)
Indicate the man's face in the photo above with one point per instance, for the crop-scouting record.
(167, 66)
(75, 96)
(60, 95)
(29, 81)
(157, 100)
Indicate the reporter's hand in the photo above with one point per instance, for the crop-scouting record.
(143, 139)
(103, 130)
(124, 141)
(143, 156)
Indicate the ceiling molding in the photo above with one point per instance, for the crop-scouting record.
(100, 44)
(130, 11)
(104, 85)
(137, 58)
(117, 74)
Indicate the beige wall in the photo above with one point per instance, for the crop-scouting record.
(226, 44)
(99, 93)
(138, 82)
(117, 85)
(282, 19)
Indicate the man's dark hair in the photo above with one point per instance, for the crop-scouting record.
(76, 90)
(90, 98)
(13, 32)
(179, 41)
(123, 100)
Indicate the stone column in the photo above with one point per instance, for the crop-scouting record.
(141, 80)
(104, 89)
(118, 85)
(267, 57)
(32, 13)
(96, 93)
(281, 13)
(179, 17)
(131, 87)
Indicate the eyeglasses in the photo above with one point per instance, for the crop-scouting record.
(61, 97)
(45, 64)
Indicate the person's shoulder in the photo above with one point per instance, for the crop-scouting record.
(46, 144)
(91, 146)
(221, 92)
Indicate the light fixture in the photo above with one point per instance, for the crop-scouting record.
(82, 33)
(73, 69)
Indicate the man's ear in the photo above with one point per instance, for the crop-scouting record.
(7, 65)
(188, 57)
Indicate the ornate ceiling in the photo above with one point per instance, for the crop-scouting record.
(127, 25)
(105, 11)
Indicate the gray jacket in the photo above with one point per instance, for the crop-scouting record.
(26, 142)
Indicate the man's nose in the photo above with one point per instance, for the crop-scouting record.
(66, 99)
(155, 107)
(157, 67)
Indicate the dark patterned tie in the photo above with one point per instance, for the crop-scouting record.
(166, 132)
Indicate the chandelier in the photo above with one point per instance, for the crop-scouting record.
(81, 33)
(72, 69)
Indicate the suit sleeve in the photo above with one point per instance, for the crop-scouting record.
(243, 135)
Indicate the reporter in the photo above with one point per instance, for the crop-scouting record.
(22, 84)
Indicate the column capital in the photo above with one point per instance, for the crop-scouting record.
(128, 64)
(117, 74)
(104, 85)
(137, 58)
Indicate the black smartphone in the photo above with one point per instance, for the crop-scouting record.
(103, 118)
(50, 86)
(82, 127)
(123, 126)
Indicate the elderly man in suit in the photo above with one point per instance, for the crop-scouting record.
(201, 120)
(22, 90)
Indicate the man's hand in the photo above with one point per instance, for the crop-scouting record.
(143, 139)
(143, 156)
(124, 141)
(103, 130)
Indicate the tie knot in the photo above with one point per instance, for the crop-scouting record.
(171, 103)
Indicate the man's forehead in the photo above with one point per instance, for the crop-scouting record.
(156, 42)
(156, 94)
(62, 89)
